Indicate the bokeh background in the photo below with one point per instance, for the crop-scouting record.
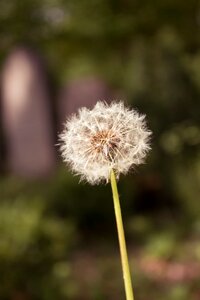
(57, 236)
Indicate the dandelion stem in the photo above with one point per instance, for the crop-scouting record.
(121, 236)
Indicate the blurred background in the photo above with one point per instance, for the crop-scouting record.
(58, 238)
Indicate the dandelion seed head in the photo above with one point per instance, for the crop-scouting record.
(107, 137)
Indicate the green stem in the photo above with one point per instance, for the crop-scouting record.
(121, 236)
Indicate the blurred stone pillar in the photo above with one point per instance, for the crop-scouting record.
(82, 92)
(26, 113)
(1, 140)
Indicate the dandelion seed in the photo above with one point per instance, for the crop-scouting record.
(104, 138)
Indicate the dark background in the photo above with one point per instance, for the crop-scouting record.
(57, 236)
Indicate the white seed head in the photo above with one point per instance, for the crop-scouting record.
(104, 138)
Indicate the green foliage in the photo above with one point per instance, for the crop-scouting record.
(34, 249)
(161, 245)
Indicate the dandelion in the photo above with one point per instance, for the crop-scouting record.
(107, 137)
(99, 145)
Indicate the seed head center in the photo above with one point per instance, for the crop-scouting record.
(105, 142)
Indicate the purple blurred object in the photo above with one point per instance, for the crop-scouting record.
(82, 92)
(26, 113)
